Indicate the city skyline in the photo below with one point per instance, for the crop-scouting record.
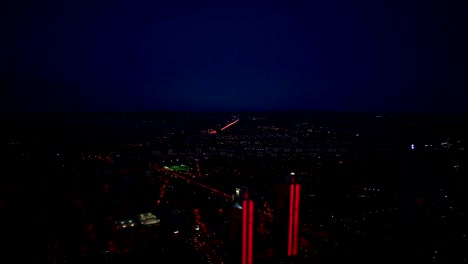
(165, 187)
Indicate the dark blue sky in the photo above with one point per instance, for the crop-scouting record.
(234, 55)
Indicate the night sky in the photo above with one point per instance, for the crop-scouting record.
(234, 55)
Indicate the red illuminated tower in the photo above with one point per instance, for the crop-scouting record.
(242, 227)
(293, 223)
(286, 218)
(247, 229)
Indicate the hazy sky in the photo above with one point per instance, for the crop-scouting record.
(234, 55)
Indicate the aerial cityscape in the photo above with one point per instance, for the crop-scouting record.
(259, 187)
(234, 132)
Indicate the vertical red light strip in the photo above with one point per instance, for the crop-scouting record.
(247, 231)
(294, 198)
(244, 232)
(296, 219)
(250, 238)
(291, 219)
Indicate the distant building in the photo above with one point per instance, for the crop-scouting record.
(126, 223)
(148, 219)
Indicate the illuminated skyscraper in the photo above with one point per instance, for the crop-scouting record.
(247, 229)
(286, 217)
(242, 227)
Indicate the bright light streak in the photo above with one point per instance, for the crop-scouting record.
(230, 124)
